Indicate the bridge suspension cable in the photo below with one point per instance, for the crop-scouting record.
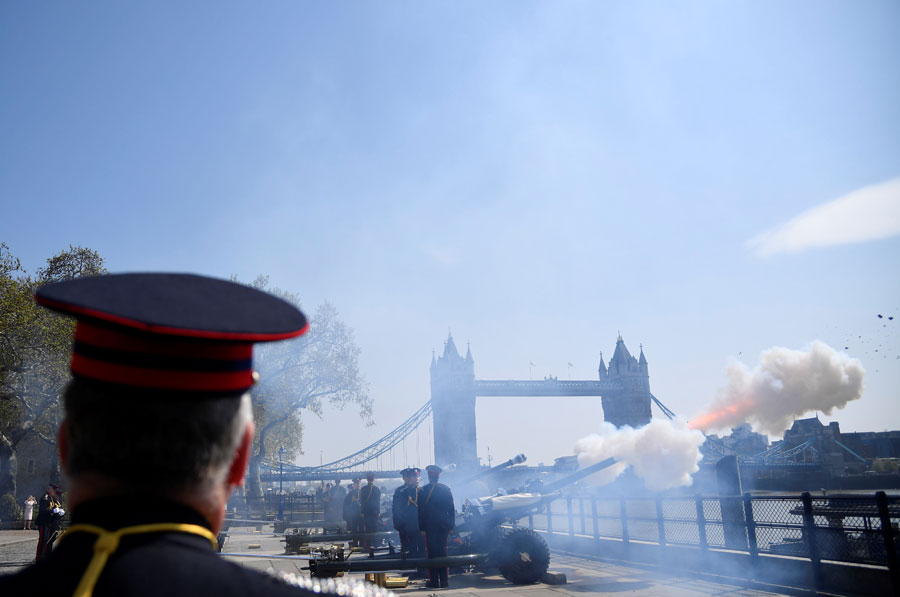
(669, 414)
(368, 454)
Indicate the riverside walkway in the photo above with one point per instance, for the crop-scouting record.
(585, 575)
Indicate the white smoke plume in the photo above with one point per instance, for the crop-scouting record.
(786, 385)
(663, 453)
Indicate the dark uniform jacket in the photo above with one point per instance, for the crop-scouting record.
(405, 509)
(436, 510)
(153, 564)
(335, 504)
(370, 500)
(352, 510)
(45, 512)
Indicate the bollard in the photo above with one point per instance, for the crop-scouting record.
(660, 522)
(751, 531)
(701, 524)
(890, 543)
(809, 528)
(581, 514)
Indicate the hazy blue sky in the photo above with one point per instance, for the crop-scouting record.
(535, 177)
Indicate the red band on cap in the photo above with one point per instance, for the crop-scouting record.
(104, 337)
(190, 381)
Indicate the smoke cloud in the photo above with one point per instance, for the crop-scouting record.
(786, 385)
(663, 453)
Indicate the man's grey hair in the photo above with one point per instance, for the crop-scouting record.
(153, 441)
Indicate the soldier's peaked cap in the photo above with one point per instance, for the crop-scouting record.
(410, 472)
(433, 468)
(170, 331)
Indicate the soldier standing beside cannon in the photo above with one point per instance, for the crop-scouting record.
(370, 504)
(333, 512)
(437, 516)
(405, 510)
(352, 511)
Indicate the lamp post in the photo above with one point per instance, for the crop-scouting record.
(281, 483)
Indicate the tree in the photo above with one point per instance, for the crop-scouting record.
(303, 374)
(34, 351)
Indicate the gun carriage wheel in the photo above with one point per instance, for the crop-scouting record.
(522, 557)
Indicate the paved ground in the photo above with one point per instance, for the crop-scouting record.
(17, 549)
(585, 577)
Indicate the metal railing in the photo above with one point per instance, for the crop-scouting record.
(851, 529)
(296, 507)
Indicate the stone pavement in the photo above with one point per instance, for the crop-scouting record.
(17, 549)
(585, 576)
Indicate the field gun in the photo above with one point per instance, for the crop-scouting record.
(483, 537)
(517, 459)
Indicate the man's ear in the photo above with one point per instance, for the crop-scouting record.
(238, 469)
(62, 444)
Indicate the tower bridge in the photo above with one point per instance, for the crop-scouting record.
(623, 387)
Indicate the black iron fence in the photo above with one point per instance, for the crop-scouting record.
(853, 529)
(289, 507)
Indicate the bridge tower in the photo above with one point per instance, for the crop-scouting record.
(453, 407)
(631, 404)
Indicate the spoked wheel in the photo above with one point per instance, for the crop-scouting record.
(523, 557)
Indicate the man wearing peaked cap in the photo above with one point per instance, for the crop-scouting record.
(437, 517)
(370, 506)
(351, 511)
(48, 521)
(405, 513)
(157, 433)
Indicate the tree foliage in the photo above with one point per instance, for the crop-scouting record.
(303, 374)
(35, 347)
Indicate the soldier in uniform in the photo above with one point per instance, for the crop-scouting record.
(370, 504)
(335, 502)
(352, 511)
(50, 513)
(405, 511)
(157, 433)
(437, 517)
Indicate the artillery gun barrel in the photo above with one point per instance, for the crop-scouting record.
(265, 556)
(578, 475)
(517, 459)
(380, 565)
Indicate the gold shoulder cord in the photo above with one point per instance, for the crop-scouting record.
(414, 502)
(429, 493)
(108, 541)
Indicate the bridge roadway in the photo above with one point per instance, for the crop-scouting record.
(546, 387)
